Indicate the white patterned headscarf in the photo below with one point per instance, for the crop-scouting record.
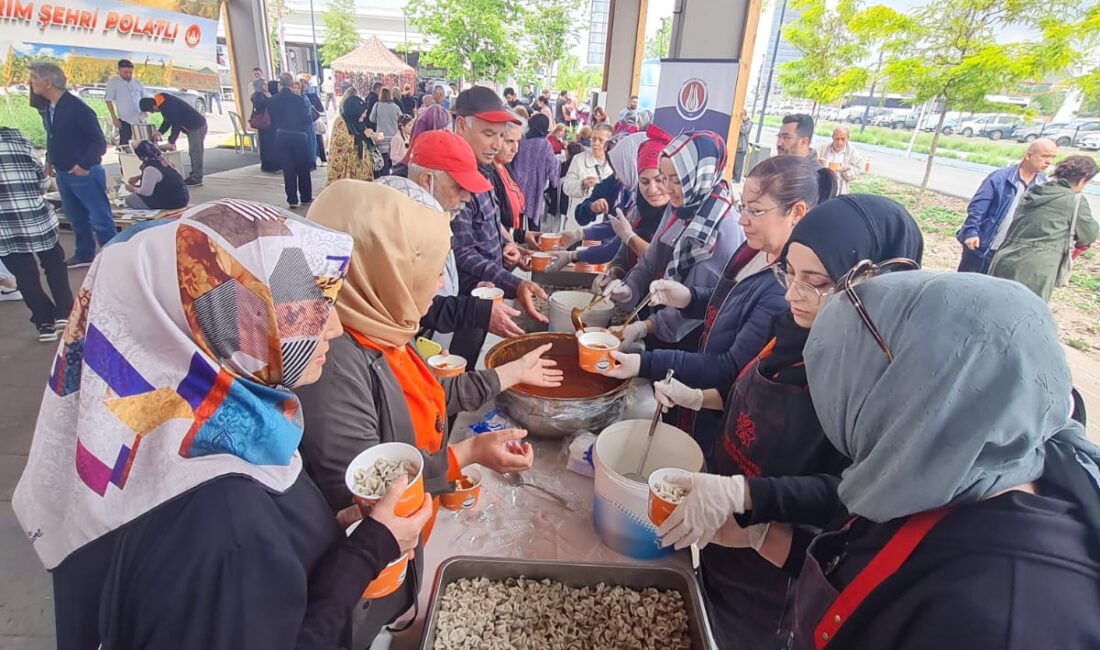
(699, 159)
(175, 368)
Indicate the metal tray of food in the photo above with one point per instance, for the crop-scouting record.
(574, 574)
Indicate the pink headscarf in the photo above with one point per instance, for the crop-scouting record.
(432, 118)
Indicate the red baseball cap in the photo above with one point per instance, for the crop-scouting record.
(449, 152)
(483, 103)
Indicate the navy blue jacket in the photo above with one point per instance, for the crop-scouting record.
(607, 189)
(73, 136)
(989, 207)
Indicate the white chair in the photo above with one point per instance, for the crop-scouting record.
(242, 136)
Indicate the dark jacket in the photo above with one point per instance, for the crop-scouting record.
(178, 116)
(607, 189)
(408, 105)
(452, 313)
(73, 136)
(989, 207)
(1009, 573)
(289, 113)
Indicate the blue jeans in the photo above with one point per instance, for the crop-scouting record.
(84, 200)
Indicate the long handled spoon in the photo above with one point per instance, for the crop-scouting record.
(638, 475)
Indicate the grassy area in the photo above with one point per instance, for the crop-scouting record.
(18, 114)
(977, 150)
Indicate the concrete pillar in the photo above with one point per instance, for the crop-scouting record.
(246, 39)
(718, 29)
(623, 55)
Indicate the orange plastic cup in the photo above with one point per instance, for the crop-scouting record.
(389, 579)
(464, 498)
(447, 365)
(834, 166)
(413, 496)
(550, 241)
(496, 294)
(541, 260)
(660, 509)
(594, 351)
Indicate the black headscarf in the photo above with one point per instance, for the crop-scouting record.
(538, 126)
(841, 232)
(273, 88)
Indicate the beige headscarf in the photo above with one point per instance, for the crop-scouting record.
(400, 247)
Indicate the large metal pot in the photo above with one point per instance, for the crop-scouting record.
(584, 401)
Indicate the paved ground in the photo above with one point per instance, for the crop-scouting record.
(26, 609)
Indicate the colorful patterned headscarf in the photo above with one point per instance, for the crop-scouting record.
(699, 158)
(175, 368)
(146, 151)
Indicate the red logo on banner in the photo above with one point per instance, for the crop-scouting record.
(192, 36)
(691, 102)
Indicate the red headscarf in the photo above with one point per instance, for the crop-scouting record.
(649, 154)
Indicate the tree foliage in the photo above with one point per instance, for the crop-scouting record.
(549, 31)
(580, 79)
(276, 9)
(341, 36)
(656, 47)
(831, 52)
(472, 38)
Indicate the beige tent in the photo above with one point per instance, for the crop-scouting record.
(370, 62)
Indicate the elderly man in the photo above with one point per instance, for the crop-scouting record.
(74, 150)
(994, 204)
(439, 96)
(122, 96)
(841, 157)
(294, 133)
(479, 249)
(795, 136)
(443, 175)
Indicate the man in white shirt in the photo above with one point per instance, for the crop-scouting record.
(842, 158)
(122, 97)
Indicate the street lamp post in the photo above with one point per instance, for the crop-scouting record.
(771, 69)
(313, 28)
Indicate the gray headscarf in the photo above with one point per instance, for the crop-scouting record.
(975, 402)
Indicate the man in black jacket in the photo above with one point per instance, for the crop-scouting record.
(179, 116)
(74, 148)
(370, 100)
(293, 132)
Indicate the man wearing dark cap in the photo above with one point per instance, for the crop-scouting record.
(480, 118)
(122, 95)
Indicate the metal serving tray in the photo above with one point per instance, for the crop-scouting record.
(574, 574)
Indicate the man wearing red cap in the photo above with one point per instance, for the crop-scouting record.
(477, 241)
(443, 175)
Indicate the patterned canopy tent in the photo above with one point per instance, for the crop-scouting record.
(370, 62)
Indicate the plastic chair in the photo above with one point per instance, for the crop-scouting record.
(242, 137)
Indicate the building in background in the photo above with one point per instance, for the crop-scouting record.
(593, 41)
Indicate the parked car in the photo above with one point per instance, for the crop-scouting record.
(855, 115)
(999, 127)
(1073, 132)
(1030, 132)
(907, 122)
(928, 124)
(1090, 142)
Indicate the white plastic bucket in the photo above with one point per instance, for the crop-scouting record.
(620, 509)
(562, 304)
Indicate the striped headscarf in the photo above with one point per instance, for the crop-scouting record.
(699, 158)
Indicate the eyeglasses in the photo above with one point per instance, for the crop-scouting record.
(754, 214)
(860, 273)
(804, 290)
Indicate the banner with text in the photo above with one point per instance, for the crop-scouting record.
(695, 95)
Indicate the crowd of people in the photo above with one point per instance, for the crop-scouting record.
(892, 459)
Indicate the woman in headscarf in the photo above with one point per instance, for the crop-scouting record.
(376, 388)
(348, 155)
(1052, 218)
(160, 186)
(738, 311)
(585, 172)
(599, 116)
(969, 517)
(535, 169)
(692, 245)
(163, 488)
(269, 155)
(770, 452)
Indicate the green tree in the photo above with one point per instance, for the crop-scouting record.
(476, 38)
(580, 79)
(549, 30)
(831, 51)
(656, 47)
(276, 9)
(951, 54)
(341, 36)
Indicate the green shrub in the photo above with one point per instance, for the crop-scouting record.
(17, 113)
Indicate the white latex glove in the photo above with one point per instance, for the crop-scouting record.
(561, 258)
(633, 333)
(570, 237)
(619, 291)
(621, 225)
(626, 365)
(709, 505)
(731, 535)
(673, 393)
(601, 282)
(669, 293)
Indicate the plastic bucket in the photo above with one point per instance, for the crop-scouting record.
(620, 509)
(561, 308)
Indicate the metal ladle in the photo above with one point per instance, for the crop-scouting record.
(637, 475)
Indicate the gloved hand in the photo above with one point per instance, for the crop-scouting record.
(621, 225)
(632, 333)
(619, 291)
(709, 505)
(626, 365)
(570, 237)
(669, 293)
(674, 393)
(601, 282)
(561, 258)
(731, 535)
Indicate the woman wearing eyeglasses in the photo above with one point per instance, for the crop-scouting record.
(971, 510)
(772, 461)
